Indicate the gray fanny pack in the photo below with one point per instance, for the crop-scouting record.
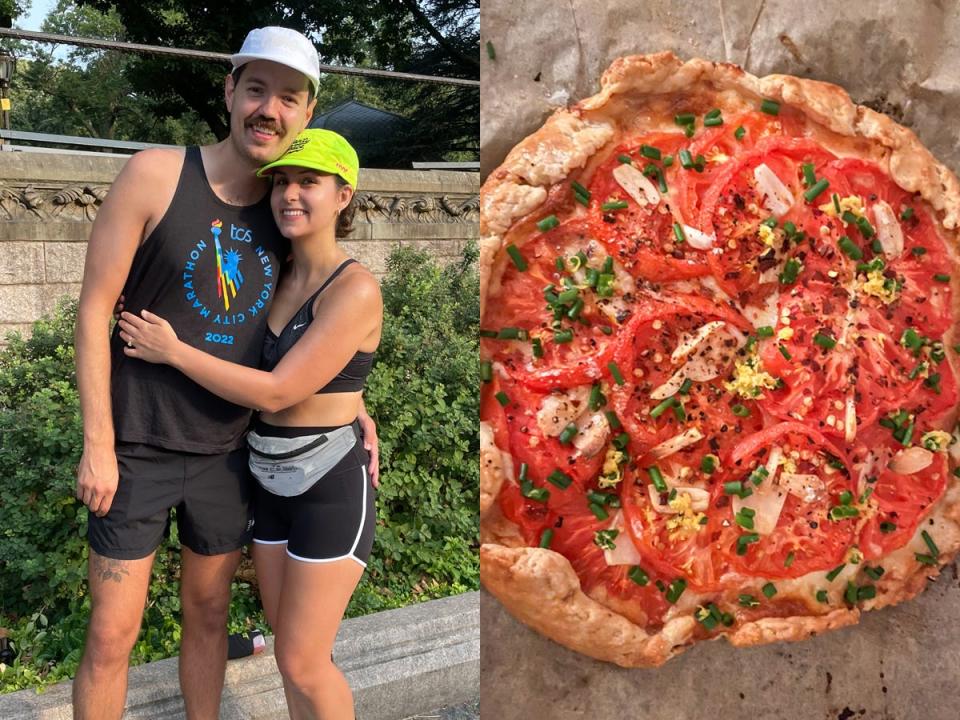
(289, 466)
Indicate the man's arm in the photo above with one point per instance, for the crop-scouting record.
(114, 240)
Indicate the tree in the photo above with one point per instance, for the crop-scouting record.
(87, 93)
(438, 37)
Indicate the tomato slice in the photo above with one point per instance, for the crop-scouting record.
(641, 237)
(902, 501)
(803, 528)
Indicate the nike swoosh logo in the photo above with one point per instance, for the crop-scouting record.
(297, 327)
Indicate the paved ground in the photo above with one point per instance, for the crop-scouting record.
(467, 711)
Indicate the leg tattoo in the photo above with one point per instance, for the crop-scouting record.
(108, 568)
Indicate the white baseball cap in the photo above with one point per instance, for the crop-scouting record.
(284, 46)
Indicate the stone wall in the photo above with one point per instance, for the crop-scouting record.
(48, 202)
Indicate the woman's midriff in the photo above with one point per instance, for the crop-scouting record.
(329, 409)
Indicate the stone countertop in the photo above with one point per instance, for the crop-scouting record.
(899, 663)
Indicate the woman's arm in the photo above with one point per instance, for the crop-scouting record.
(349, 316)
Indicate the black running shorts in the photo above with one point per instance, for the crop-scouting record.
(332, 520)
(212, 495)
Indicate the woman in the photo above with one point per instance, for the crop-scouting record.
(314, 508)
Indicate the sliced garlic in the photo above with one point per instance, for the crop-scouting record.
(777, 198)
(677, 443)
(636, 185)
(889, 232)
(911, 460)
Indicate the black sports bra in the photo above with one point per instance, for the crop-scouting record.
(353, 375)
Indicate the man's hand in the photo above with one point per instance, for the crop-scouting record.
(369, 429)
(97, 479)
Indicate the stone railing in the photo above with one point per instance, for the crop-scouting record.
(48, 202)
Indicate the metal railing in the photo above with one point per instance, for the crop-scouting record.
(217, 57)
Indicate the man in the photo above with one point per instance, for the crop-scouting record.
(189, 235)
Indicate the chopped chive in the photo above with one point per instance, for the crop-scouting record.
(592, 276)
(676, 590)
(821, 596)
(548, 223)
(621, 441)
(791, 269)
(656, 477)
(580, 193)
(637, 574)
(613, 419)
(681, 413)
(606, 330)
(934, 550)
(649, 151)
(939, 277)
(686, 159)
(685, 119)
(546, 537)
(517, 258)
(537, 348)
(850, 248)
(488, 333)
(625, 159)
(734, 487)
(713, 122)
(933, 382)
(874, 573)
(699, 163)
(530, 492)
(740, 410)
(563, 336)
(491, 53)
(846, 215)
(689, 130)
(876, 246)
(598, 511)
(866, 229)
(523, 472)
(917, 370)
(769, 590)
(832, 575)
(770, 107)
(809, 177)
(512, 333)
(568, 433)
(607, 265)
(685, 387)
(770, 222)
(818, 187)
(678, 232)
(605, 284)
(765, 331)
(740, 132)
(748, 600)
(662, 407)
(925, 559)
(560, 479)
(708, 464)
(574, 312)
(786, 353)
(615, 371)
(597, 399)
(668, 161)
(789, 560)
(866, 592)
(887, 527)
(759, 475)
(502, 398)
(907, 213)
(486, 371)
(614, 205)
(712, 114)
(744, 540)
(824, 341)
(743, 519)
(604, 538)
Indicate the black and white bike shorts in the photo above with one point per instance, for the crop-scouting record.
(332, 520)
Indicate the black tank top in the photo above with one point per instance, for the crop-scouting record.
(210, 269)
(350, 379)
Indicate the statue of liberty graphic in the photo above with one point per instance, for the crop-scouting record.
(229, 277)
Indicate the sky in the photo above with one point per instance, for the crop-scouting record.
(38, 11)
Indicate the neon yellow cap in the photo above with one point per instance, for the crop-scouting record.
(322, 150)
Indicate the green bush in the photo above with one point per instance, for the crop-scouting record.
(422, 393)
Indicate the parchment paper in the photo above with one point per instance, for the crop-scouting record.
(901, 57)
